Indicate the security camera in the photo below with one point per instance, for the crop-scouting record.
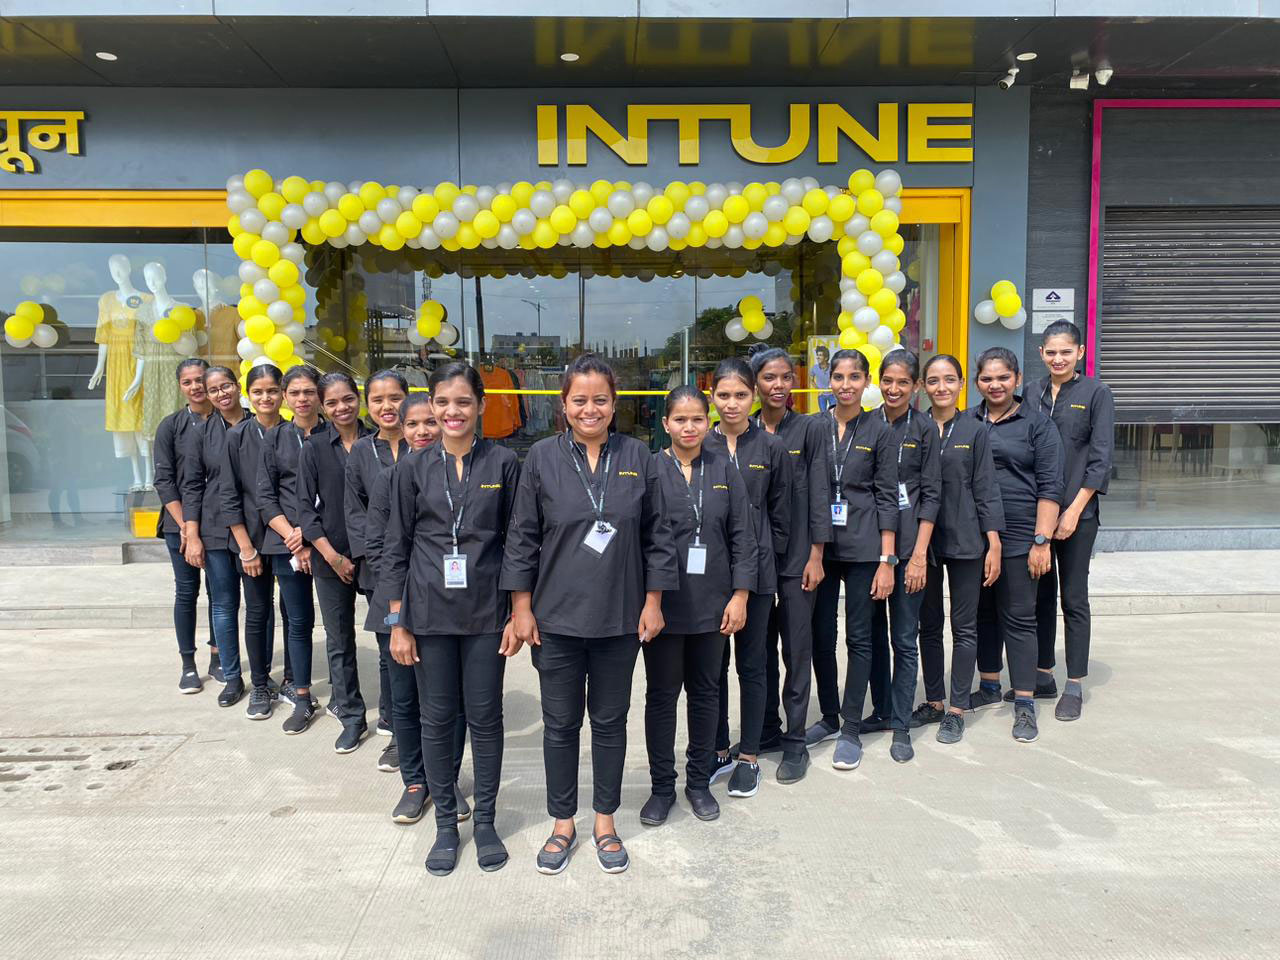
(1007, 81)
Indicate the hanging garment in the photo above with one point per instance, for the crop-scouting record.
(501, 411)
(160, 393)
(116, 324)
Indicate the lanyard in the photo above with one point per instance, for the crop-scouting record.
(947, 436)
(904, 431)
(697, 507)
(733, 457)
(838, 459)
(374, 444)
(462, 498)
(596, 505)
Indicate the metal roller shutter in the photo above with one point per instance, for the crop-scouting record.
(1190, 318)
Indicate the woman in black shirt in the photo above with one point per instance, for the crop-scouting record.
(589, 552)
(715, 541)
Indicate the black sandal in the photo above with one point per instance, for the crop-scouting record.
(552, 862)
(443, 856)
(491, 853)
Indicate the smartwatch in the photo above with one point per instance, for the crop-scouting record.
(392, 619)
(890, 559)
(1041, 539)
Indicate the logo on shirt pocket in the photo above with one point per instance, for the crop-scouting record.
(757, 466)
(627, 473)
(490, 486)
(864, 449)
(961, 446)
(1079, 406)
(719, 486)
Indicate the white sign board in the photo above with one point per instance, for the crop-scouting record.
(1053, 298)
(1040, 319)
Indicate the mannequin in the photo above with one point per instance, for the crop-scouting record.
(118, 319)
(220, 320)
(156, 362)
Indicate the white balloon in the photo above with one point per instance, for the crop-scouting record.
(733, 237)
(888, 182)
(240, 201)
(253, 220)
(847, 284)
(294, 252)
(562, 190)
(755, 225)
(44, 336)
(716, 195)
(678, 226)
(448, 334)
(851, 300)
(866, 319)
(445, 225)
(894, 204)
(261, 360)
(405, 197)
(389, 209)
(294, 330)
(886, 261)
(465, 207)
(637, 243)
(831, 190)
(792, 191)
(856, 226)
(735, 331)
(250, 272)
(542, 202)
(186, 344)
(523, 222)
(370, 223)
(314, 204)
(280, 312)
(335, 191)
(293, 216)
(896, 281)
(809, 183)
(354, 235)
(234, 183)
(247, 349)
(600, 219)
(276, 232)
(985, 312)
(240, 331)
(202, 338)
(881, 338)
(696, 208)
(642, 192)
(508, 239)
(821, 228)
(621, 203)
(870, 243)
(715, 243)
(1014, 322)
(415, 337)
(775, 208)
(503, 187)
(765, 332)
(872, 397)
(428, 239)
(734, 188)
(658, 239)
(266, 290)
(793, 239)
(583, 236)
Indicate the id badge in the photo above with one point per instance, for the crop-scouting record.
(839, 513)
(455, 571)
(904, 498)
(697, 563)
(599, 537)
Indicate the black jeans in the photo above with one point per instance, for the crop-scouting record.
(1007, 617)
(338, 611)
(964, 577)
(904, 622)
(749, 658)
(259, 622)
(881, 663)
(405, 714)
(299, 620)
(459, 685)
(791, 620)
(224, 593)
(576, 673)
(1070, 569)
(186, 591)
(672, 661)
(858, 611)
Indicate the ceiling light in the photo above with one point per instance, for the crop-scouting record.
(104, 55)
(1079, 80)
(1027, 57)
(569, 57)
(1103, 75)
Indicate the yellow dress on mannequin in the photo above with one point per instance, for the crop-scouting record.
(117, 324)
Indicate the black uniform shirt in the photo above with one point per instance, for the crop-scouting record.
(1027, 453)
(238, 478)
(766, 469)
(971, 504)
(868, 485)
(370, 456)
(914, 438)
(204, 459)
(810, 520)
(727, 532)
(576, 591)
(420, 533)
(278, 479)
(322, 488)
(1085, 413)
(167, 453)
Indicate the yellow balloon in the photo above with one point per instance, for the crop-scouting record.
(677, 245)
(467, 236)
(845, 246)
(299, 315)
(869, 281)
(258, 182)
(470, 188)
(294, 294)
(851, 338)
(283, 273)
(776, 235)
(913, 270)
(250, 306)
(279, 348)
(1008, 304)
(853, 263)
(563, 219)
(796, 221)
(429, 327)
(736, 209)
(873, 355)
(233, 226)
(845, 320)
(331, 223)
(600, 190)
(860, 180)
(20, 328)
(639, 222)
(895, 321)
(677, 192)
(895, 244)
(697, 235)
(371, 194)
(166, 330)
(752, 243)
(755, 194)
(431, 308)
(425, 207)
(264, 253)
(697, 187)
(503, 206)
(30, 310)
(1002, 288)
(870, 202)
(487, 224)
(884, 301)
(245, 367)
(312, 233)
(294, 189)
(183, 316)
(271, 204)
(243, 244)
(841, 208)
(619, 234)
(716, 224)
(445, 193)
(544, 235)
(407, 225)
(660, 208)
(259, 328)
(581, 202)
(885, 223)
(754, 321)
(815, 202)
(338, 344)
(246, 290)
(350, 206)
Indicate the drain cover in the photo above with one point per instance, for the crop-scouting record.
(77, 768)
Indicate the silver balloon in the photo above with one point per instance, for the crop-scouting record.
(414, 337)
(583, 236)
(18, 342)
(276, 232)
(792, 191)
(335, 191)
(809, 183)
(253, 220)
(888, 182)
(872, 397)
(315, 204)
(445, 225)
(856, 226)
(185, 346)
(238, 201)
(851, 300)
(465, 207)
(352, 187)
(247, 349)
(866, 319)
(370, 222)
(235, 183)
(894, 204)
(621, 203)
(294, 252)
(896, 281)
(293, 216)
(240, 330)
(508, 239)
(405, 197)
(562, 190)
(542, 202)
(354, 235)
(755, 225)
(523, 222)
(793, 239)
(696, 208)
(881, 338)
(388, 210)
(202, 338)
(250, 272)
(870, 243)
(821, 228)
(44, 336)
(735, 331)
(716, 195)
(637, 243)
(280, 312)
(886, 261)
(338, 242)
(734, 236)
(1012, 323)
(428, 239)
(600, 219)
(678, 226)
(775, 208)
(294, 330)
(657, 239)
(266, 290)
(448, 334)
(831, 190)
(765, 332)
(642, 192)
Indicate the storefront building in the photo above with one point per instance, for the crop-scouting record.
(113, 208)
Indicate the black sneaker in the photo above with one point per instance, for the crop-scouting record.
(820, 732)
(745, 781)
(413, 802)
(383, 729)
(702, 803)
(231, 693)
(464, 808)
(350, 738)
(873, 724)
(190, 682)
(1024, 724)
(984, 698)
(772, 744)
(901, 750)
(260, 704)
(299, 719)
(720, 767)
(1068, 707)
(952, 729)
(793, 767)
(273, 688)
(656, 808)
(215, 667)
(1044, 691)
(288, 691)
(389, 759)
(926, 713)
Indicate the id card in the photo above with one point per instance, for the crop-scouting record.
(839, 513)
(599, 538)
(904, 498)
(697, 563)
(455, 571)
(293, 562)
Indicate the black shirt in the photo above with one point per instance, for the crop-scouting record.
(727, 532)
(810, 520)
(868, 484)
(576, 591)
(322, 488)
(1027, 453)
(766, 469)
(420, 533)
(914, 437)
(238, 478)
(204, 460)
(971, 504)
(278, 479)
(1085, 413)
(167, 453)
(375, 530)
(369, 457)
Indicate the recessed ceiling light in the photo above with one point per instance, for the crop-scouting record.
(1027, 57)
(569, 57)
(104, 55)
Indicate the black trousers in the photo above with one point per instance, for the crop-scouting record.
(673, 661)
(459, 681)
(904, 622)
(1007, 618)
(338, 612)
(591, 674)
(791, 621)
(406, 714)
(965, 580)
(749, 658)
(881, 663)
(856, 579)
(259, 622)
(1070, 570)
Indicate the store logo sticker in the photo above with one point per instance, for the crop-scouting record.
(1053, 298)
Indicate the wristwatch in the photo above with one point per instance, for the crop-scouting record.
(392, 619)
(890, 559)
(1041, 539)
